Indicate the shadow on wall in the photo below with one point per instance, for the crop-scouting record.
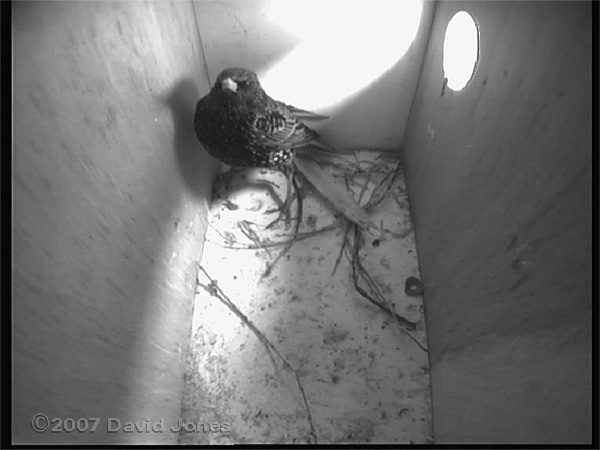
(103, 276)
(190, 156)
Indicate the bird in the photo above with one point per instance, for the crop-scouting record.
(238, 123)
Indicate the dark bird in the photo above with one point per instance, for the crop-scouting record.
(239, 124)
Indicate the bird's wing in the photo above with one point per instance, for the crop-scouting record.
(276, 127)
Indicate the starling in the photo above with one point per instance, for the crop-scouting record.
(239, 124)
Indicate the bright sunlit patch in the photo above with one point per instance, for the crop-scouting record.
(461, 50)
(345, 46)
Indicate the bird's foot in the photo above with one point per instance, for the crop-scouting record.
(285, 208)
(291, 241)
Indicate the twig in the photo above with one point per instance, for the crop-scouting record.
(347, 181)
(384, 186)
(344, 243)
(296, 229)
(364, 188)
(264, 245)
(384, 303)
(225, 238)
(399, 203)
(246, 228)
(348, 225)
(357, 269)
(215, 291)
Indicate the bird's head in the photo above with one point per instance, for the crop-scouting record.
(235, 80)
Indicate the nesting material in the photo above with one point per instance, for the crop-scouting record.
(299, 344)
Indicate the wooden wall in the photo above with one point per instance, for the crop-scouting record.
(110, 197)
(499, 176)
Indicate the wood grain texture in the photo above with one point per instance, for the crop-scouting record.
(110, 192)
(499, 178)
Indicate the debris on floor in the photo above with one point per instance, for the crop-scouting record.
(314, 338)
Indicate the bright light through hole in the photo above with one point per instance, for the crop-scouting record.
(461, 50)
(344, 46)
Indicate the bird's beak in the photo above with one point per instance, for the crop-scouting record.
(228, 83)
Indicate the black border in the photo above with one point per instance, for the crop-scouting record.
(595, 222)
(6, 207)
(6, 249)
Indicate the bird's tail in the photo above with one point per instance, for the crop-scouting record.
(336, 194)
(303, 114)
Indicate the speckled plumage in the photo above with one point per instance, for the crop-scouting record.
(239, 124)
